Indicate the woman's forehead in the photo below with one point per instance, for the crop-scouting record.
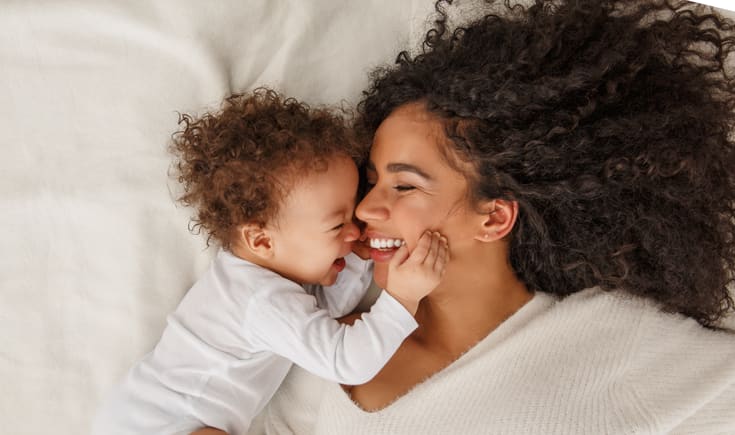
(412, 134)
(407, 130)
(414, 112)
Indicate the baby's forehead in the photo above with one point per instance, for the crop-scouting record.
(323, 191)
(315, 172)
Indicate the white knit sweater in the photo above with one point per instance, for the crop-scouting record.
(593, 363)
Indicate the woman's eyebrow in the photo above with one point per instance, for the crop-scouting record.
(402, 167)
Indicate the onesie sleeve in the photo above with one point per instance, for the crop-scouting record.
(342, 297)
(289, 323)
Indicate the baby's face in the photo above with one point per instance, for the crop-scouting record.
(314, 228)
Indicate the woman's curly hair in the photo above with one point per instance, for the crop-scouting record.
(236, 165)
(609, 122)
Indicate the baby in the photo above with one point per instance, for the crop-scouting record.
(274, 183)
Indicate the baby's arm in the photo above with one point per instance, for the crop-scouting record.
(293, 326)
(290, 324)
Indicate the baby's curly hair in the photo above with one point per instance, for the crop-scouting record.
(610, 122)
(236, 165)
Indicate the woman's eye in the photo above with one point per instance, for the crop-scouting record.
(403, 187)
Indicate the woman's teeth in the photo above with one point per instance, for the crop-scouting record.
(386, 243)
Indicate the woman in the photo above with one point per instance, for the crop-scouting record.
(578, 156)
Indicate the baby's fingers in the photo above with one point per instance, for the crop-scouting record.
(418, 256)
(433, 251)
(442, 255)
(399, 256)
(437, 248)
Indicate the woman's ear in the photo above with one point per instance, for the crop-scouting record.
(255, 239)
(497, 218)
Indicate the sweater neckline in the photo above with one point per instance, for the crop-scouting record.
(537, 305)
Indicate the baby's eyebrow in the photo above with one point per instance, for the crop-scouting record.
(329, 221)
(335, 214)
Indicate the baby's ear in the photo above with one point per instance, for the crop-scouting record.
(256, 239)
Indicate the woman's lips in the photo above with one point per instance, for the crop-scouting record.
(382, 248)
(382, 255)
(385, 243)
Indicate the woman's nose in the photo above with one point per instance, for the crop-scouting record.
(371, 208)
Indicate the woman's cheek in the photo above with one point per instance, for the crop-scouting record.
(412, 241)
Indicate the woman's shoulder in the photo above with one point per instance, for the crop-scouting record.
(674, 368)
(642, 323)
(617, 306)
(647, 364)
(635, 339)
(654, 312)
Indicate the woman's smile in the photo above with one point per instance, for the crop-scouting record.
(386, 243)
(383, 247)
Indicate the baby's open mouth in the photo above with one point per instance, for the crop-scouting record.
(340, 264)
(386, 243)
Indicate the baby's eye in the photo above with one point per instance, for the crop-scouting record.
(338, 227)
(403, 187)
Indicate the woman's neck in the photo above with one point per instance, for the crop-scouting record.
(478, 293)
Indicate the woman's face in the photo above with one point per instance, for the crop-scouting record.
(412, 188)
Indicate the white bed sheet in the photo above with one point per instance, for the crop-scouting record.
(95, 253)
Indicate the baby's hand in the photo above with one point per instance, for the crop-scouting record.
(411, 277)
